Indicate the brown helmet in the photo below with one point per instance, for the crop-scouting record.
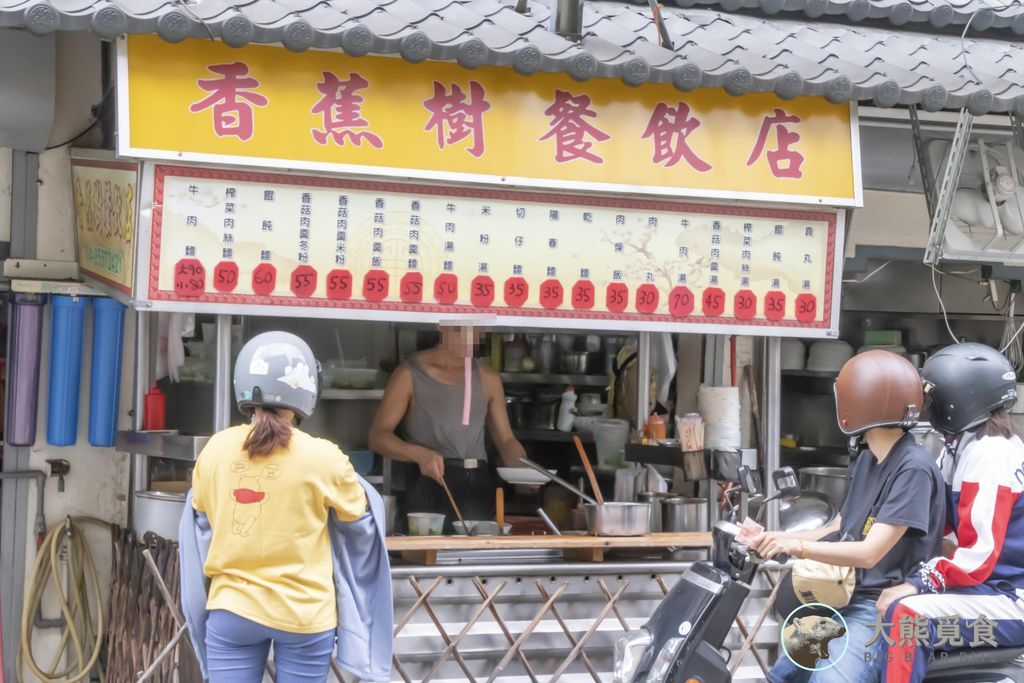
(877, 389)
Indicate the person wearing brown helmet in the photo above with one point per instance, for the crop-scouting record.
(894, 514)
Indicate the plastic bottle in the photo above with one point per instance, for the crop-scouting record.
(567, 411)
(154, 410)
(656, 427)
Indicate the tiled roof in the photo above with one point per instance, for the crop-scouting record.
(713, 48)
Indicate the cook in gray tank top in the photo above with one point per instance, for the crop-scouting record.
(434, 418)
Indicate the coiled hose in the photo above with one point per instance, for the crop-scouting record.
(81, 637)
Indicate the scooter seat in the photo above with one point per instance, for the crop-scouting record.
(977, 657)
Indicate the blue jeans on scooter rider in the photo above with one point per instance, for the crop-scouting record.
(893, 515)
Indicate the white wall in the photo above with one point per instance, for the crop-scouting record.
(890, 219)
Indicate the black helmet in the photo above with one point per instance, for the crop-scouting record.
(964, 384)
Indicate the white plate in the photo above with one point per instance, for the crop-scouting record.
(522, 476)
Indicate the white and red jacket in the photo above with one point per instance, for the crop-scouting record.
(985, 511)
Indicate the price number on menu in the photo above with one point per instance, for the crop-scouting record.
(481, 291)
(339, 285)
(647, 298)
(713, 302)
(516, 292)
(744, 304)
(375, 286)
(411, 288)
(617, 297)
(551, 294)
(680, 302)
(806, 308)
(583, 295)
(264, 278)
(189, 278)
(303, 281)
(774, 305)
(225, 276)
(446, 289)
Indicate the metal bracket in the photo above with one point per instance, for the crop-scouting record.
(30, 269)
(947, 188)
(922, 161)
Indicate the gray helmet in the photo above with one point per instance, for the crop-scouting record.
(277, 370)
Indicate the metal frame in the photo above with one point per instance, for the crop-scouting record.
(947, 187)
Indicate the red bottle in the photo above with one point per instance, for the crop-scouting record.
(154, 410)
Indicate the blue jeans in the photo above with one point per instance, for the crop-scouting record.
(860, 664)
(237, 649)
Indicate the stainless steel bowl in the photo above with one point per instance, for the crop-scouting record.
(576, 362)
(834, 482)
(618, 519)
(812, 510)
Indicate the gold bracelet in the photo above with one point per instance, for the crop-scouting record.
(803, 550)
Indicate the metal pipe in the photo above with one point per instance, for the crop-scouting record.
(542, 570)
(143, 340)
(222, 376)
(771, 410)
(40, 479)
(643, 379)
(567, 18)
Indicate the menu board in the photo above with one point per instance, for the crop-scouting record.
(417, 251)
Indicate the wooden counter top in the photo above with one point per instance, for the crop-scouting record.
(423, 549)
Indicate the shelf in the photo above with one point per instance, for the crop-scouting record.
(824, 374)
(550, 435)
(352, 394)
(538, 378)
(167, 444)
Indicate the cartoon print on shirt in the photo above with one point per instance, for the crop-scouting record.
(249, 496)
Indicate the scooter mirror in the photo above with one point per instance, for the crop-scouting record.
(787, 486)
(747, 481)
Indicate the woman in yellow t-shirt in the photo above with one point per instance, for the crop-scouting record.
(267, 489)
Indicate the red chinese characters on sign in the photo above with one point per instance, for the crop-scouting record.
(232, 99)
(669, 128)
(454, 118)
(570, 129)
(341, 112)
(783, 161)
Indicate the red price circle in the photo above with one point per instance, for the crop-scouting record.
(339, 285)
(647, 298)
(774, 305)
(189, 278)
(583, 295)
(617, 297)
(744, 304)
(375, 286)
(713, 301)
(481, 291)
(551, 294)
(446, 288)
(225, 276)
(303, 281)
(411, 288)
(264, 278)
(806, 308)
(516, 291)
(680, 302)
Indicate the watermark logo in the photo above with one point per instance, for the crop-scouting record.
(815, 637)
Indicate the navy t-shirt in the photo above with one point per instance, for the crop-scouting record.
(905, 489)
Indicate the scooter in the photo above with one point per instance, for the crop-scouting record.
(682, 641)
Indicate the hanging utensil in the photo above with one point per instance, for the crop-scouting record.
(589, 469)
(558, 480)
(547, 520)
(499, 508)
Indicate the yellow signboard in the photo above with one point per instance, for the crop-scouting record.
(106, 196)
(320, 110)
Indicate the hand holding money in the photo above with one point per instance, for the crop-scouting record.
(749, 530)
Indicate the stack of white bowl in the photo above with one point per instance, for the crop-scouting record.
(828, 356)
(794, 354)
(720, 408)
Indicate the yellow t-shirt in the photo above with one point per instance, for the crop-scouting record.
(270, 556)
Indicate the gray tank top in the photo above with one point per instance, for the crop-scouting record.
(434, 418)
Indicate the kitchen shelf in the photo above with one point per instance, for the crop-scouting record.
(540, 378)
(352, 394)
(166, 444)
(550, 435)
(826, 374)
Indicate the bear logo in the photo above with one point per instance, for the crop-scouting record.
(806, 639)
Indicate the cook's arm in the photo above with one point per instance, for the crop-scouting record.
(383, 439)
(497, 420)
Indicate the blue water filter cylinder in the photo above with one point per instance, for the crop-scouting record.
(26, 343)
(66, 331)
(105, 387)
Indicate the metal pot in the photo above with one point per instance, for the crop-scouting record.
(656, 500)
(576, 362)
(390, 512)
(834, 482)
(812, 510)
(514, 405)
(540, 414)
(158, 512)
(618, 519)
(685, 514)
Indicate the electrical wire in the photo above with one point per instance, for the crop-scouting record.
(1011, 345)
(81, 637)
(868, 276)
(95, 121)
(942, 305)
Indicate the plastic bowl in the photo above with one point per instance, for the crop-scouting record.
(362, 461)
(351, 378)
(487, 528)
(426, 524)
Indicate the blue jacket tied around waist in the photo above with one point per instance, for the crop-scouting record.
(362, 584)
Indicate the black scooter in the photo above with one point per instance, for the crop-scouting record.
(682, 641)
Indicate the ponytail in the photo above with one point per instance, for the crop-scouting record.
(999, 424)
(269, 432)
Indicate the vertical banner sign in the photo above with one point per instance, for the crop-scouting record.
(203, 101)
(106, 200)
(238, 238)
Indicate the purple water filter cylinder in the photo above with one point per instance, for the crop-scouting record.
(24, 353)
(105, 387)
(66, 331)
